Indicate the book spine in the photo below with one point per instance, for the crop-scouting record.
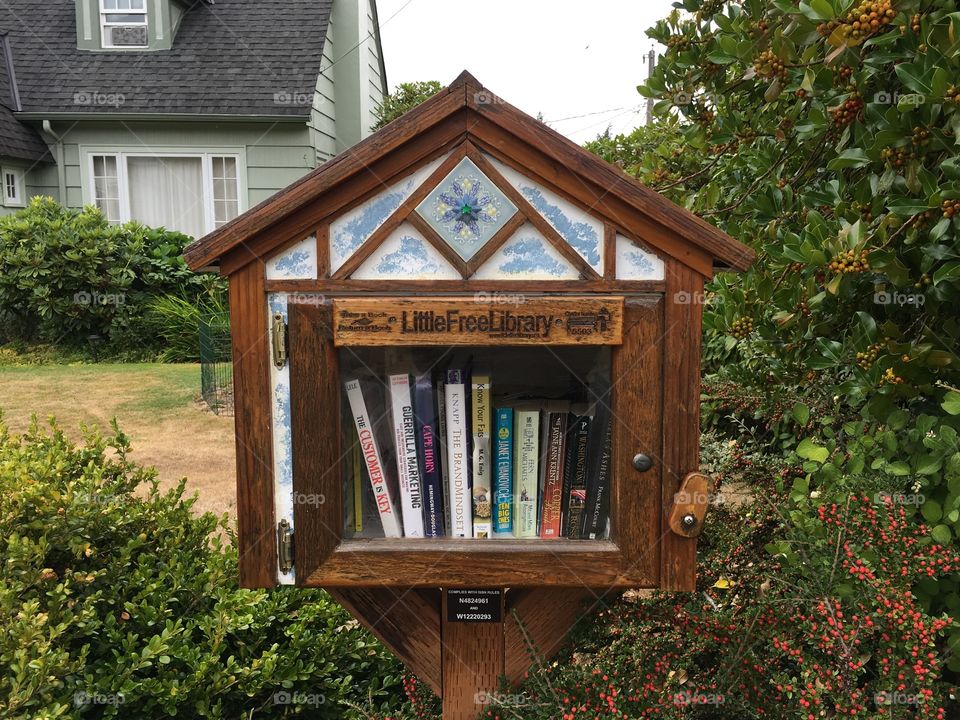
(577, 474)
(380, 474)
(356, 479)
(597, 508)
(526, 477)
(458, 455)
(503, 495)
(441, 382)
(408, 465)
(428, 451)
(481, 422)
(554, 458)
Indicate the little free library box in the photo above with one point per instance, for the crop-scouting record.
(466, 358)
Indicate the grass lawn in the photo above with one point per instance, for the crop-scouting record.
(156, 405)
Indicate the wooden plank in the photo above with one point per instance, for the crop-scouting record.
(399, 215)
(256, 529)
(681, 416)
(387, 288)
(472, 661)
(323, 251)
(570, 320)
(637, 403)
(315, 446)
(452, 563)
(406, 621)
(538, 621)
(609, 251)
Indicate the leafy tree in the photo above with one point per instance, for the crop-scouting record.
(406, 97)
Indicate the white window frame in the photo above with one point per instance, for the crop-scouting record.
(105, 34)
(18, 181)
(206, 157)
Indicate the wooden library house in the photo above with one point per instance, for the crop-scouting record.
(466, 361)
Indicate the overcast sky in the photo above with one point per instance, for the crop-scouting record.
(562, 58)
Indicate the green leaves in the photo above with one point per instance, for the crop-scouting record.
(849, 158)
(809, 450)
(951, 403)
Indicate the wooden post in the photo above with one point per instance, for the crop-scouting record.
(471, 658)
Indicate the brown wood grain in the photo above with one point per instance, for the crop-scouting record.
(681, 416)
(406, 621)
(610, 251)
(381, 321)
(315, 445)
(387, 288)
(323, 251)
(637, 403)
(256, 529)
(693, 498)
(472, 662)
(537, 623)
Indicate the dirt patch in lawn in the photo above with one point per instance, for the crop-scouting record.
(155, 405)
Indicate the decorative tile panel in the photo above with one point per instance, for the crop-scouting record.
(583, 231)
(527, 255)
(349, 231)
(635, 262)
(296, 263)
(466, 209)
(282, 438)
(406, 255)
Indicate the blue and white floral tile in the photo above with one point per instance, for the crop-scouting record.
(406, 255)
(583, 231)
(349, 231)
(466, 209)
(295, 263)
(527, 255)
(282, 437)
(635, 262)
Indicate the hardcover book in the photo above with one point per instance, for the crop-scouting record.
(525, 474)
(379, 470)
(428, 451)
(575, 476)
(553, 463)
(596, 511)
(459, 463)
(408, 464)
(481, 426)
(503, 473)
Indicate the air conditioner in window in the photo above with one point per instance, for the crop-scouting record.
(127, 35)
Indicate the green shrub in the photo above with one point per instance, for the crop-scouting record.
(66, 275)
(176, 320)
(118, 601)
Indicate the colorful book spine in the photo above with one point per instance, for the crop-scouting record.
(575, 477)
(525, 474)
(482, 451)
(429, 453)
(381, 476)
(503, 472)
(554, 459)
(408, 464)
(596, 511)
(458, 454)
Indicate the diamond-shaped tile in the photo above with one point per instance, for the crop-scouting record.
(466, 209)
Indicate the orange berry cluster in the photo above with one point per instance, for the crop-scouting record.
(678, 42)
(741, 328)
(868, 357)
(862, 21)
(897, 157)
(921, 136)
(891, 377)
(768, 65)
(710, 8)
(850, 261)
(915, 23)
(950, 208)
(848, 112)
(953, 94)
(922, 282)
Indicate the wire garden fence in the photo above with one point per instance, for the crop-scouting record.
(216, 363)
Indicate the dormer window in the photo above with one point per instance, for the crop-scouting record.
(123, 23)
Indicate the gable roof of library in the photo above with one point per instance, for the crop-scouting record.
(482, 114)
(231, 57)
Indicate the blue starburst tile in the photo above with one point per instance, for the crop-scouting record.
(466, 209)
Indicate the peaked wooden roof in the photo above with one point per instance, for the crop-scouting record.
(477, 106)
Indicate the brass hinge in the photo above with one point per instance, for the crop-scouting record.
(285, 546)
(278, 329)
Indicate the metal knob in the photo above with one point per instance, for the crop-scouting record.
(688, 521)
(642, 462)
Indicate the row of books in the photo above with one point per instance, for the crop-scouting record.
(445, 459)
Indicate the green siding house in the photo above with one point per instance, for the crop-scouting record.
(180, 113)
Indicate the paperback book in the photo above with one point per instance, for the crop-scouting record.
(596, 511)
(553, 465)
(575, 476)
(408, 464)
(503, 472)
(428, 451)
(526, 476)
(481, 426)
(458, 453)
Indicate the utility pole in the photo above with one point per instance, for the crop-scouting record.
(651, 58)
